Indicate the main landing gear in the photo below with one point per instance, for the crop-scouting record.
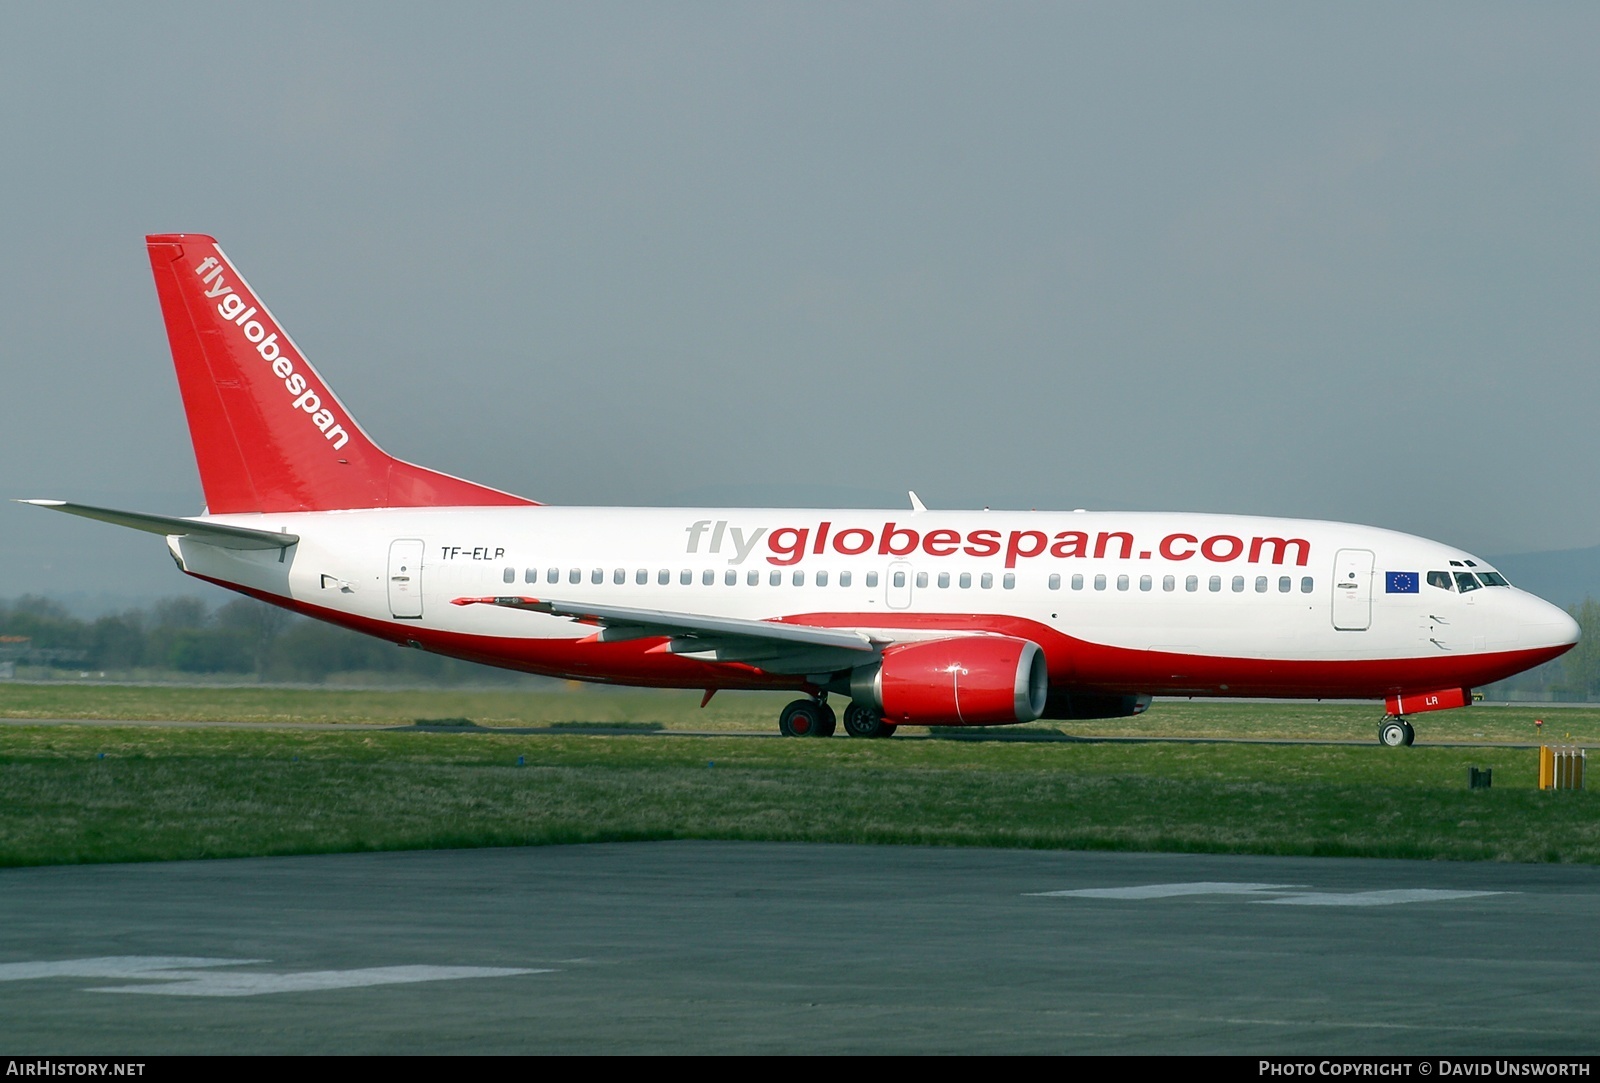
(814, 718)
(1395, 731)
(807, 718)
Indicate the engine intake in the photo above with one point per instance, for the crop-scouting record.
(961, 681)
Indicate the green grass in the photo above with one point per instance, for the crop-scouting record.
(746, 712)
(73, 793)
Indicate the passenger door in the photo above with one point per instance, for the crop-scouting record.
(1352, 590)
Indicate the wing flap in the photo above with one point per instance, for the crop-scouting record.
(768, 645)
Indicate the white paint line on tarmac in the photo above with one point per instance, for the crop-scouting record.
(113, 966)
(1282, 894)
(1374, 898)
(237, 984)
(190, 976)
(1165, 891)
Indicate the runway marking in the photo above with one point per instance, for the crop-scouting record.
(187, 976)
(113, 966)
(214, 984)
(1165, 891)
(1375, 898)
(1281, 894)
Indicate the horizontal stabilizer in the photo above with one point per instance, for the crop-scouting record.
(218, 534)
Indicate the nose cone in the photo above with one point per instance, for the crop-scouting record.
(1541, 624)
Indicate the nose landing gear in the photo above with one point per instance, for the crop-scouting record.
(1395, 732)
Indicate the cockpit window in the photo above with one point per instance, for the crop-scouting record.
(1467, 581)
(1440, 580)
(1492, 579)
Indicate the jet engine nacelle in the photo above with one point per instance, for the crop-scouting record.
(962, 681)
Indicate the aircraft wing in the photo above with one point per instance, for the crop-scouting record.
(768, 645)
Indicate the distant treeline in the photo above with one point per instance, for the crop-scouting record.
(243, 637)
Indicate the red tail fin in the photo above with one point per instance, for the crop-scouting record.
(269, 434)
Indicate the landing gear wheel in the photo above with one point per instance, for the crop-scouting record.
(802, 718)
(862, 721)
(1395, 732)
(830, 721)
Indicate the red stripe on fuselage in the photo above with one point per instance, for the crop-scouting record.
(1075, 664)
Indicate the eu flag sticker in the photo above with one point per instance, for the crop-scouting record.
(1401, 582)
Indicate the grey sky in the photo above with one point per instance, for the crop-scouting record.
(1335, 261)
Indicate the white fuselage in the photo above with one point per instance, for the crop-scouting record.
(1138, 602)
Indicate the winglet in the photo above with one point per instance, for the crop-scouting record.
(916, 501)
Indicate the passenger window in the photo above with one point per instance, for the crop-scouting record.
(822, 579)
(872, 579)
(730, 578)
(1010, 581)
(1099, 582)
(531, 575)
(553, 575)
(1261, 584)
(575, 575)
(1284, 583)
(844, 579)
(1077, 582)
(597, 576)
(1122, 582)
(1055, 582)
(620, 576)
(922, 580)
(752, 578)
(1169, 583)
(965, 580)
(1440, 580)
(686, 577)
(899, 579)
(1215, 584)
(1191, 584)
(944, 579)
(1305, 585)
(1145, 582)
(775, 579)
(664, 576)
(510, 575)
(987, 582)
(1238, 583)
(642, 576)
(799, 579)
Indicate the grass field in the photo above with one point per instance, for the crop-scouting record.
(79, 793)
(734, 712)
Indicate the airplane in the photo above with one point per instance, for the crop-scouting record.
(914, 616)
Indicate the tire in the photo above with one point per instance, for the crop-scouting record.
(1392, 733)
(802, 718)
(862, 721)
(1411, 735)
(829, 725)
